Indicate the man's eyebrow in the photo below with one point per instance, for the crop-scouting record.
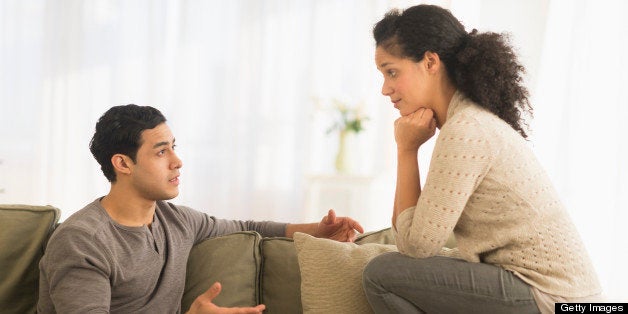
(164, 143)
(384, 64)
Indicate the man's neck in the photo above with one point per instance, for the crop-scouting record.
(128, 210)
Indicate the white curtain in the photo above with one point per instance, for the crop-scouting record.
(580, 126)
(246, 86)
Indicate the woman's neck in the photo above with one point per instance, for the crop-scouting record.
(441, 105)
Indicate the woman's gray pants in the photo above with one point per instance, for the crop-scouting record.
(395, 283)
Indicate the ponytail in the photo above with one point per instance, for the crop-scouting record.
(486, 70)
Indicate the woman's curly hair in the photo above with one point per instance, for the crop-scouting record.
(483, 66)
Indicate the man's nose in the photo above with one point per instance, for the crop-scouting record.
(177, 162)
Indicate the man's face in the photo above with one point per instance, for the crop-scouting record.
(155, 174)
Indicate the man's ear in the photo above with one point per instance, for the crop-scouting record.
(121, 163)
(432, 61)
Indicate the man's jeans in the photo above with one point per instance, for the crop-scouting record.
(395, 283)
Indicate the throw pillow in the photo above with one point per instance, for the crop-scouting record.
(331, 274)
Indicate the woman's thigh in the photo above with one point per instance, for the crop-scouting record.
(394, 282)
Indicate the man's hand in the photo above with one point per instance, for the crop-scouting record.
(341, 229)
(204, 304)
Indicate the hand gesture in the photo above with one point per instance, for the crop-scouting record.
(413, 130)
(203, 304)
(341, 229)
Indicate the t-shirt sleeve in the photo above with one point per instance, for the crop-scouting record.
(77, 273)
(461, 158)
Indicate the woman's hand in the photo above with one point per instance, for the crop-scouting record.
(413, 130)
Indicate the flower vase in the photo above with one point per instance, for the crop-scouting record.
(341, 158)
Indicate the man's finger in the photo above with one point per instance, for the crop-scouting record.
(212, 292)
(330, 219)
(248, 310)
(356, 225)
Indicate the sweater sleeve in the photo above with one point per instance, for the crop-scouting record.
(205, 226)
(461, 158)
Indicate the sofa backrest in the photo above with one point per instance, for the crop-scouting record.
(253, 270)
(233, 260)
(24, 232)
(280, 278)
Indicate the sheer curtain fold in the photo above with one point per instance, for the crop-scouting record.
(243, 84)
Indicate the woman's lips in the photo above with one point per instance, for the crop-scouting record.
(396, 103)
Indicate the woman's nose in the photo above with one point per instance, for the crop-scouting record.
(386, 90)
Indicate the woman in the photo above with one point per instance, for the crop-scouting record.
(518, 251)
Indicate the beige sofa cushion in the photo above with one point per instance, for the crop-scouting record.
(234, 260)
(280, 278)
(384, 236)
(331, 272)
(24, 231)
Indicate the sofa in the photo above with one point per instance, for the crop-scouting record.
(300, 275)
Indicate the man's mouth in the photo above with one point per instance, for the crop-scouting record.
(174, 180)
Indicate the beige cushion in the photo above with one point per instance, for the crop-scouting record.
(24, 231)
(384, 236)
(280, 279)
(331, 274)
(233, 260)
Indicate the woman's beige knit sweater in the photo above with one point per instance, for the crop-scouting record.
(485, 184)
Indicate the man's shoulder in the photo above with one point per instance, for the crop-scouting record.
(178, 212)
(183, 216)
(85, 223)
(82, 234)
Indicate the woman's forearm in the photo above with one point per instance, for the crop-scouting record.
(408, 182)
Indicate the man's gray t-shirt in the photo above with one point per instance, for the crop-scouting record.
(94, 265)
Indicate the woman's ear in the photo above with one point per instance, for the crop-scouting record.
(432, 61)
(121, 163)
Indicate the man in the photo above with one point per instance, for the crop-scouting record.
(127, 251)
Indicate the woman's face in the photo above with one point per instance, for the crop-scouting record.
(406, 82)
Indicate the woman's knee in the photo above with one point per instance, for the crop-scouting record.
(377, 268)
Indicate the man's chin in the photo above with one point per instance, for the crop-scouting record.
(169, 196)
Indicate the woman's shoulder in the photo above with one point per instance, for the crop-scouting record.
(472, 127)
(467, 119)
(470, 119)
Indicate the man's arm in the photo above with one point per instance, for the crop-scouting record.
(72, 278)
(332, 227)
(336, 228)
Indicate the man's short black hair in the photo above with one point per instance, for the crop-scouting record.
(119, 131)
